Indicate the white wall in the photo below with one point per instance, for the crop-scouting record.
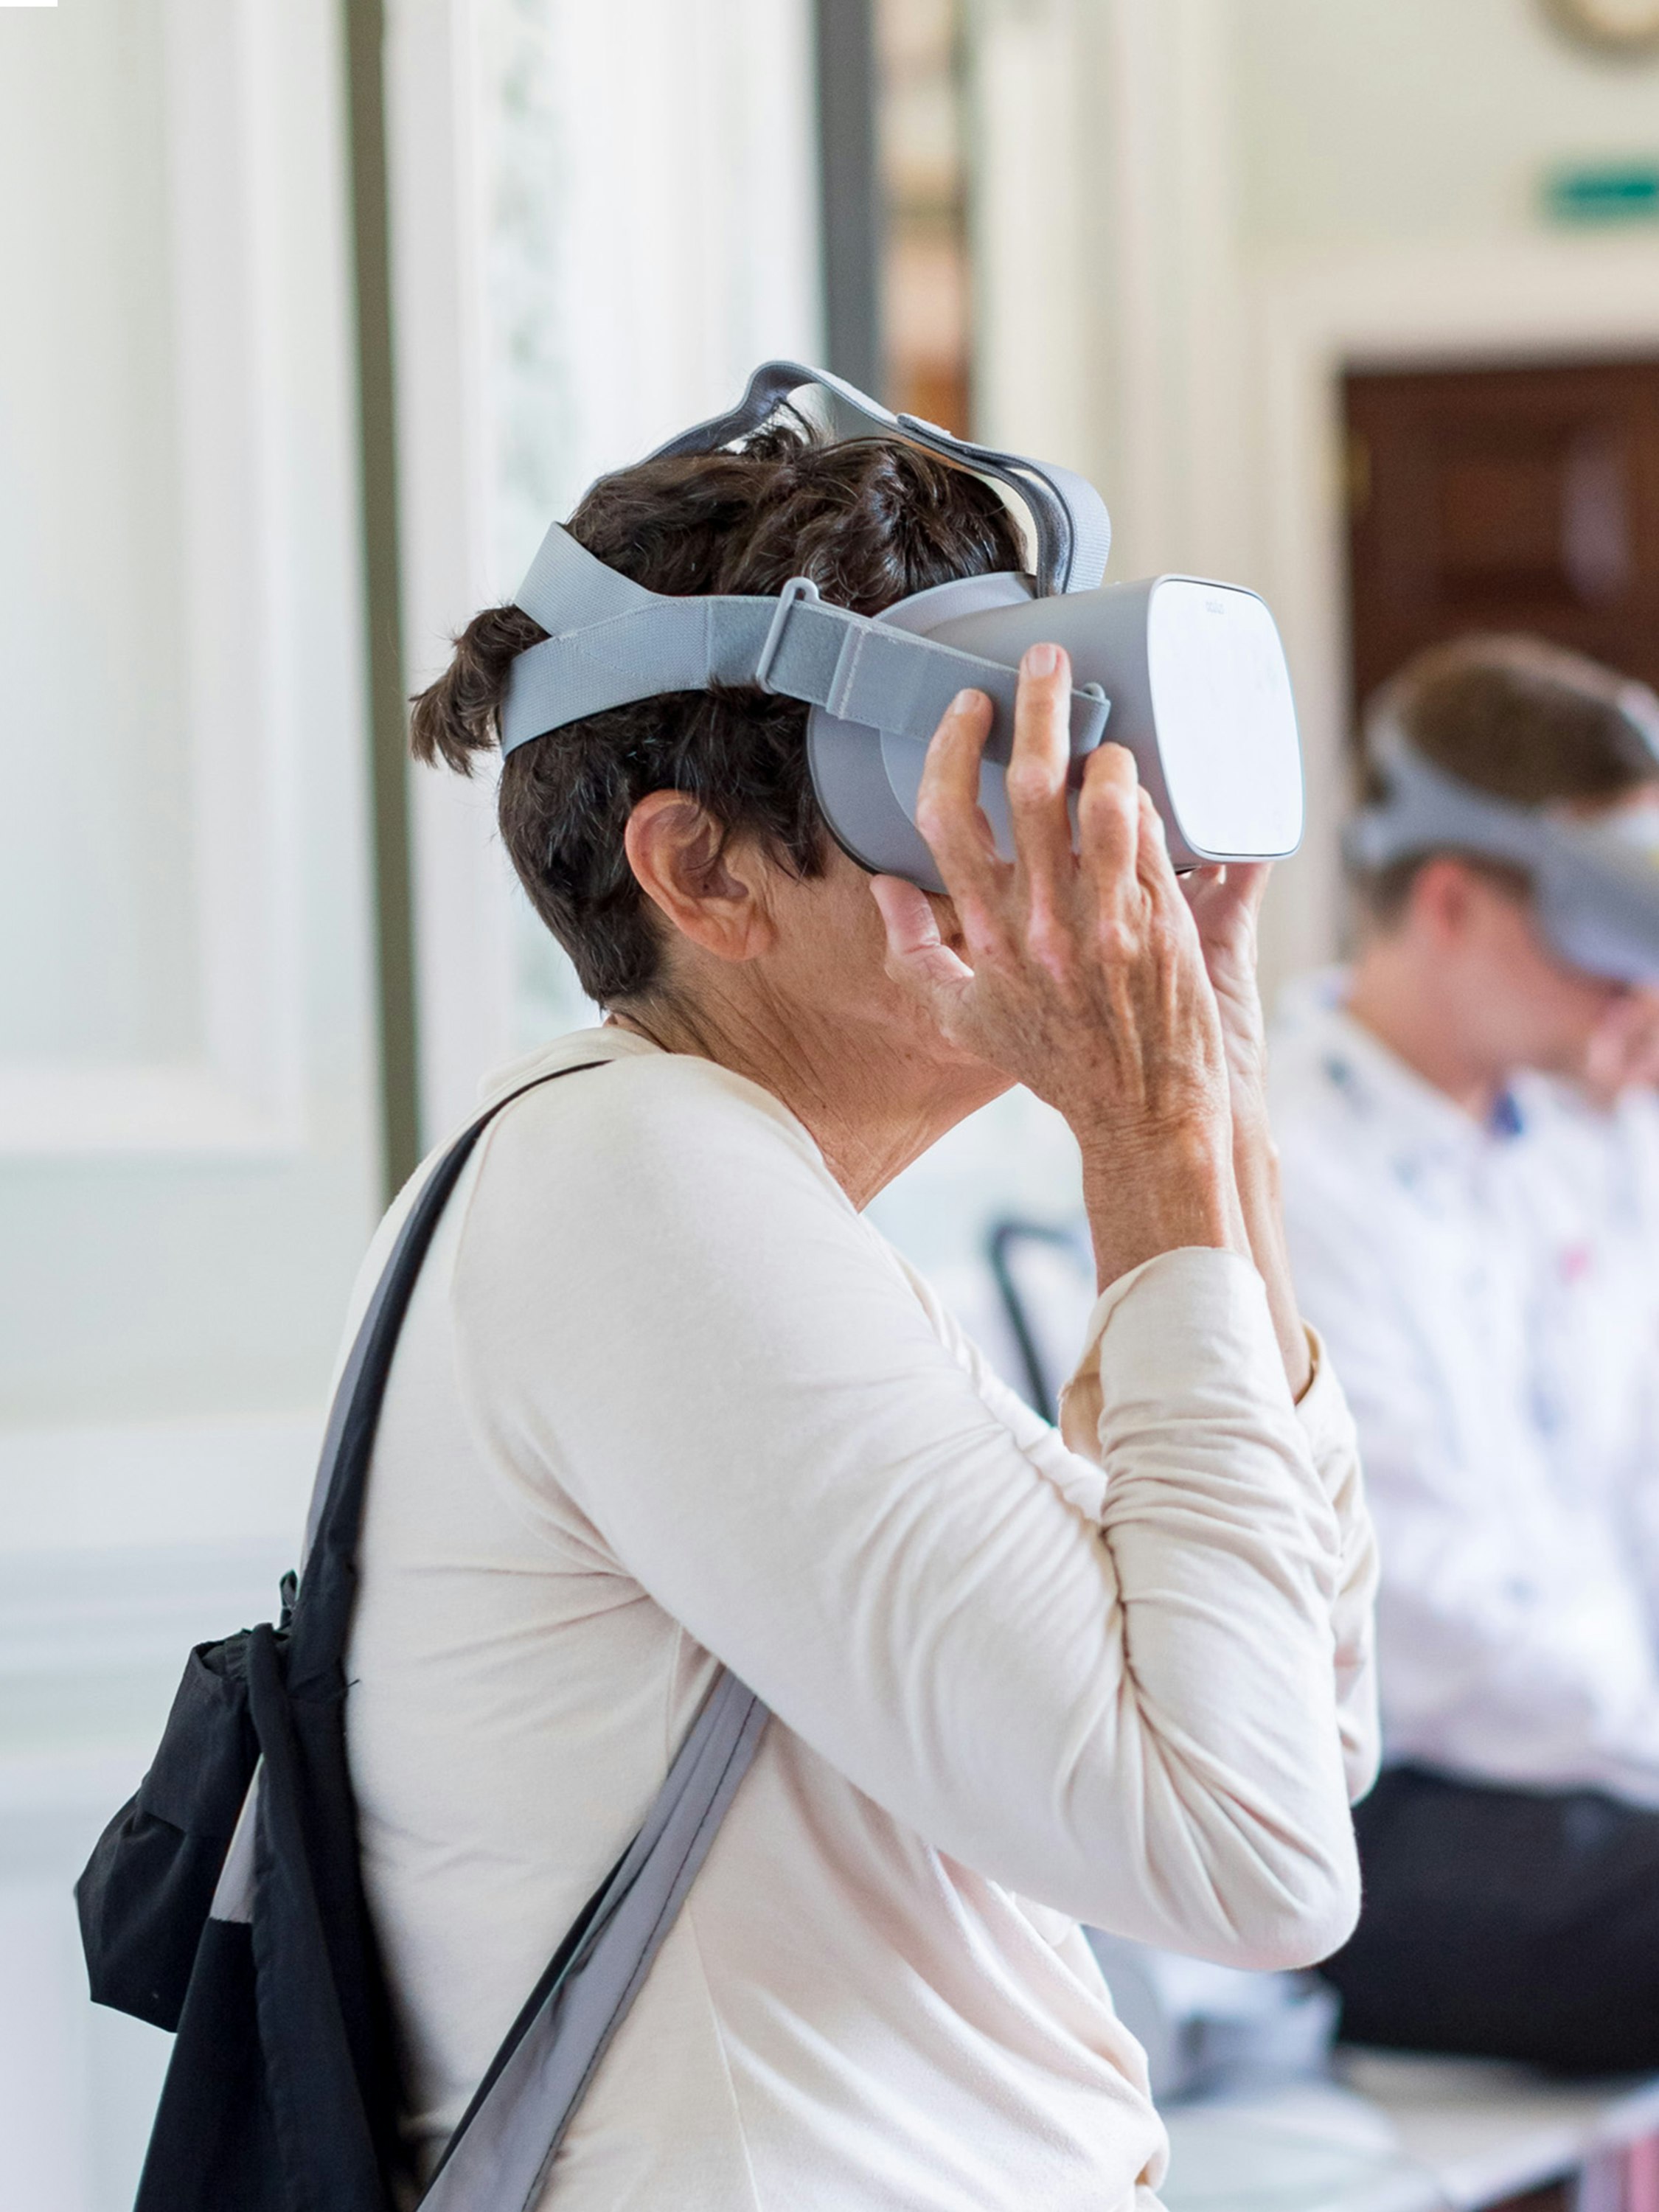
(187, 1119)
(1417, 120)
(605, 218)
(188, 1160)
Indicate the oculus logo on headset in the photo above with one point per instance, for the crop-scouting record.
(1189, 674)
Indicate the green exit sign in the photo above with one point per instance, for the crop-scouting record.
(1603, 191)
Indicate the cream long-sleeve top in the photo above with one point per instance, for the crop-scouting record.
(663, 1397)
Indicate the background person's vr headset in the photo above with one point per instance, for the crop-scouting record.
(1596, 882)
(1191, 674)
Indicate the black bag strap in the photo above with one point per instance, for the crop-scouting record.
(500, 2153)
(321, 1618)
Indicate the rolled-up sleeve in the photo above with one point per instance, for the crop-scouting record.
(1335, 1442)
(1232, 1545)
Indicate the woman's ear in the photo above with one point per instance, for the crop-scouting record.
(712, 890)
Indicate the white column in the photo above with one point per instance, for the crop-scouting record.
(462, 903)
(603, 217)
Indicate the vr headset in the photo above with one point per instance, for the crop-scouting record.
(1595, 884)
(1191, 674)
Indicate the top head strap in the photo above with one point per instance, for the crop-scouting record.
(1073, 530)
(611, 641)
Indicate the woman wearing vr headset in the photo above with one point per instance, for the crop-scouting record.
(665, 1399)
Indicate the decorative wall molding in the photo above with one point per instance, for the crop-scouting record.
(213, 1481)
(229, 193)
(57, 1111)
(603, 217)
(183, 1213)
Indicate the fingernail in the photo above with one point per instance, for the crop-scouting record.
(963, 701)
(1041, 659)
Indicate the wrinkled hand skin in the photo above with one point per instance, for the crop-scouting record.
(1225, 903)
(1082, 973)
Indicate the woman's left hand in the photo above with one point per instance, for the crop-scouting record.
(1226, 902)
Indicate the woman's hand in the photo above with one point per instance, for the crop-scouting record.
(1083, 976)
(1225, 903)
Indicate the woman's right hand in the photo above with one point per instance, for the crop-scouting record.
(1084, 977)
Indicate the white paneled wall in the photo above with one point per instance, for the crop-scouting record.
(188, 1165)
(604, 217)
(188, 1160)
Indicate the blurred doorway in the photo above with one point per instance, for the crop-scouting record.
(1523, 498)
(894, 182)
(921, 141)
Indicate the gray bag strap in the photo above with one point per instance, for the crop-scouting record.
(613, 642)
(1073, 530)
(499, 2156)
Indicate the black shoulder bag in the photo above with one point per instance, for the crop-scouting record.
(225, 1900)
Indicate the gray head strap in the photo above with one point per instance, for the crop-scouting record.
(612, 641)
(1426, 809)
(1597, 898)
(1073, 530)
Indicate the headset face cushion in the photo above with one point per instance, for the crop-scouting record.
(859, 803)
(866, 781)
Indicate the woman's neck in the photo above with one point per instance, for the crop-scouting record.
(870, 1105)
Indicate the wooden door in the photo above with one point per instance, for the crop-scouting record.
(1514, 499)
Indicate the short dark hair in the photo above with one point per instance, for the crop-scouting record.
(1516, 716)
(869, 521)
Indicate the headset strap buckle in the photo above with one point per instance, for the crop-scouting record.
(797, 589)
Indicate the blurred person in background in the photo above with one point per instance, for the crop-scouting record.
(1470, 1151)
